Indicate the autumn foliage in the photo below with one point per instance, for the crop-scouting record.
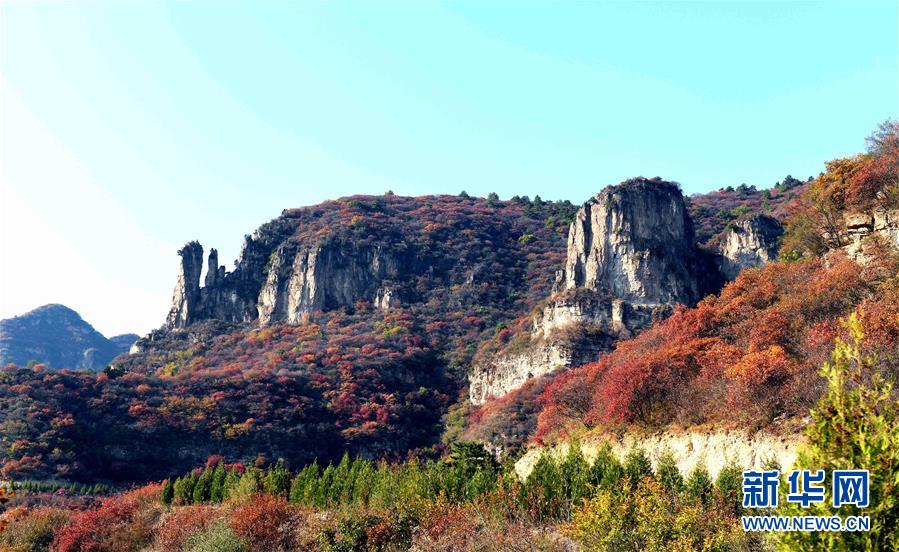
(749, 355)
(745, 356)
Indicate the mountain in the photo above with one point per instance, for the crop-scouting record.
(745, 357)
(385, 326)
(357, 325)
(58, 337)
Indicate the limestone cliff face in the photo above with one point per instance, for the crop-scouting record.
(630, 258)
(635, 241)
(219, 298)
(749, 243)
(297, 280)
(302, 280)
(186, 297)
(858, 228)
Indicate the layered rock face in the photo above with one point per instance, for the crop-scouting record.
(297, 280)
(634, 241)
(859, 227)
(630, 258)
(749, 243)
(303, 280)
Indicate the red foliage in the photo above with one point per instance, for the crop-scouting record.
(262, 522)
(747, 354)
(179, 524)
(121, 522)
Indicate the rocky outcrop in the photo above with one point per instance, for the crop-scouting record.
(634, 241)
(510, 371)
(583, 308)
(218, 299)
(296, 280)
(387, 298)
(186, 297)
(326, 276)
(630, 258)
(859, 228)
(749, 243)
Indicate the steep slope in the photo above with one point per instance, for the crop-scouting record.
(750, 355)
(631, 256)
(57, 336)
(348, 325)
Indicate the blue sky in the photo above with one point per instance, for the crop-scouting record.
(131, 128)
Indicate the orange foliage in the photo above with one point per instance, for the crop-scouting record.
(748, 354)
(261, 522)
(121, 522)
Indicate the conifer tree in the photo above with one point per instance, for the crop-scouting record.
(545, 486)
(277, 480)
(607, 471)
(217, 488)
(168, 492)
(729, 487)
(203, 487)
(232, 480)
(699, 484)
(575, 473)
(668, 473)
(637, 466)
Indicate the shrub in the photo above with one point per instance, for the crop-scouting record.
(181, 524)
(854, 426)
(32, 530)
(261, 523)
(121, 523)
(217, 538)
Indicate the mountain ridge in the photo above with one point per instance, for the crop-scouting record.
(57, 336)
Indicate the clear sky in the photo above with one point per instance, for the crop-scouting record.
(130, 128)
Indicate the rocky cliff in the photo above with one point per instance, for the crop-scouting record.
(631, 256)
(298, 279)
(634, 241)
(861, 229)
(749, 242)
(305, 279)
(432, 256)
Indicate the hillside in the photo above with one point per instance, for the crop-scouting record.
(361, 324)
(749, 355)
(56, 336)
(349, 325)
(353, 330)
(361, 372)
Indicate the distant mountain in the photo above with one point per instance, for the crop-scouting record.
(57, 336)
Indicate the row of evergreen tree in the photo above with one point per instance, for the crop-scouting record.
(554, 487)
(80, 489)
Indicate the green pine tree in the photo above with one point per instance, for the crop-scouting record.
(699, 484)
(168, 492)
(668, 473)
